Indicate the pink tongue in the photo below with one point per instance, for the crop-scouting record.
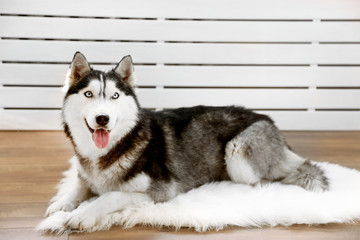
(101, 138)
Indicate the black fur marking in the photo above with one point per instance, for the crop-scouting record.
(85, 162)
(102, 88)
(90, 129)
(125, 146)
(122, 85)
(68, 134)
(83, 83)
(67, 130)
(104, 84)
(154, 158)
(215, 117)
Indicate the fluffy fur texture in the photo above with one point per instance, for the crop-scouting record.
(222, 204)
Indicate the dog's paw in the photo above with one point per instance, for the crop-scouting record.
(54, 224)
(59, 205)
(82, 220)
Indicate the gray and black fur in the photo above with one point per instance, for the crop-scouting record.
(184, 148)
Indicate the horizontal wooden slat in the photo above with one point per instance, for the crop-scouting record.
(23, 97)
(182, 52)
(226, 9)
(36, 74)
(248, 76)
(45, 119)
(315, 121)
(214, 76)
(141, 30)
(30, 119)
(250, 98)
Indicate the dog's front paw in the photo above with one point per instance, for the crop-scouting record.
(54, 223)
(59, 205)
(82, 220)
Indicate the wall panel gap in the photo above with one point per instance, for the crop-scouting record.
(312, 86)
(159, 65)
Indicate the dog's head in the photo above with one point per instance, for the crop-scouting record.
(99, 107)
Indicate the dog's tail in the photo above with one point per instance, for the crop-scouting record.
(307, 175)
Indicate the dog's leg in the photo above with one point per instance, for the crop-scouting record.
(96, 215)
(259, 154)
(72, 191)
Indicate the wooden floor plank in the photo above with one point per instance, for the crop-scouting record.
(335, 147)
(21, 215)
(18, 173)
(20, 222)
(27, 234)
(34, 148)
(18, 210)
(31, 164)
(15, 192)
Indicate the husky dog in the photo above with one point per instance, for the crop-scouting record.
(126, 155)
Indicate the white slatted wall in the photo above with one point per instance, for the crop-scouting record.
(298, 60)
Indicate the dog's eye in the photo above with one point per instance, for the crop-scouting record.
(88, 94)
(115, 96)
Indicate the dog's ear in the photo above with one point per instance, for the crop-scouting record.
(79, 68)
(125, 69)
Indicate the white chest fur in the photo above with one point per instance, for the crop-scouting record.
(110, 179)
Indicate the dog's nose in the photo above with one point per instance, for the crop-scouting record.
(102, 119)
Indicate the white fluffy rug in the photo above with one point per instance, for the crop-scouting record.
(217, 205)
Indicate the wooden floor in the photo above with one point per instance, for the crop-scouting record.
(31, 164)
